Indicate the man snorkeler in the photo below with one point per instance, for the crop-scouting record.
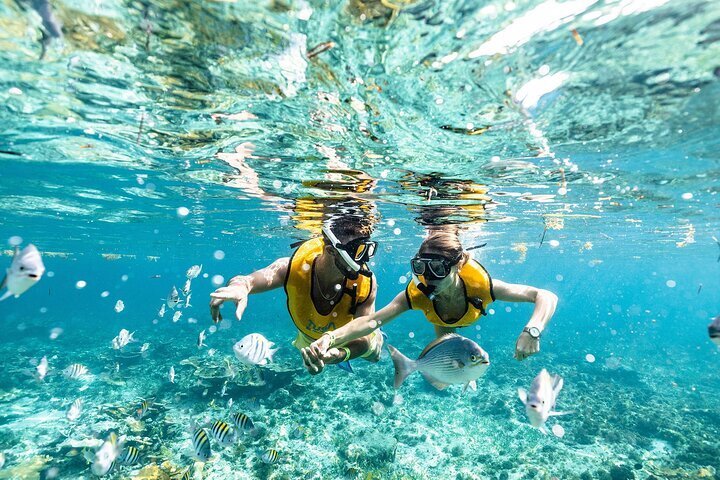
(327, 282)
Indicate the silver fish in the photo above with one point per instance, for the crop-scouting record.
(193, 271)
(173, 298)
(144, 348)
(201, 340)
(187, 300)
(73, 413)
(171, 374)
(254, 349)
(201, 445)
(714, 330)
(104, 458)
(540, 401)
(161, 313)
(122, 339)
(223, 392)
(119, 306)
(42, 368)
(25, 271)
(450, 359)
(176, 316)
(186, 287)
(75, 371)
(270, 456)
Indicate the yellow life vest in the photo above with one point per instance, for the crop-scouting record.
(299, 285)
(478, 295)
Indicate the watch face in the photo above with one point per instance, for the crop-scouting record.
(534, 332)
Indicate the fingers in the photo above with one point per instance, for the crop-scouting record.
(240, 309)
(215, 310)
(313, 365)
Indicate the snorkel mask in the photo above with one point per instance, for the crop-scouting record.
(431, 267)
(355, 254)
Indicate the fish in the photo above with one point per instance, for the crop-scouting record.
(201, 445)
(345, 366)
(173, 298)
(540, 401)
(161, 313)
(171, 374)
(104, 458)
(270, 456)
(193, 271)
(142, 409)
(186, 287)
(320, 48)
(2, 459)
(25, 270)
(254, 349)
(222, 432)
(230, 403)
(187, 300)
(243, 422)
(184, 475)
(122, 339)
(450, 359)
(718, 244)
(145, 347)
(73, 413)
(201, 340)
(75, 371)
(176, 316)
(223, 392)
(714, 330)
(129, 456)
(42, 368)
(119, 306)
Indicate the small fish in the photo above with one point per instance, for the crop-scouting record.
(269, 457)
(345, 366)
(2, 459)
(119, 306)
(222, 432)
(42, 368)
(176, 316)
(320, 48)
(142, 409)
(161, 313)
(254, 349)
(201, 340)
(171, 374)
(173, 298)
(25, 271)
(230, 403)
(193, 271)
(211, 352)
(104, 459)
(144, 347)
(122, 339)
(186, 287)
(130, 456)
(73, 413)
(243, 422)
(466, 131)
(184, 475)
(223, 392)
(187, 300)
(540, 401)
(450, 359)
(75, 371)
(201, 445)
(576, 36)
(714, 330)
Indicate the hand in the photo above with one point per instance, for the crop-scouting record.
(236, 292)
(526, 345)
(317, 354)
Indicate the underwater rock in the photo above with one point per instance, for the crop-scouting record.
(621, 472)
(28, 470)
(372, 448)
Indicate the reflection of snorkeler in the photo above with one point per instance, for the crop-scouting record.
(327, 282)
(452, 290)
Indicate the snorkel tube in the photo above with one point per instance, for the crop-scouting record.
(354, 269)
(427, 290)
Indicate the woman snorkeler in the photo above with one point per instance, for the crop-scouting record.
(452, 290)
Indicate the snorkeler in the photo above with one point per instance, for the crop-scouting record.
(452, 290)
(327, 283)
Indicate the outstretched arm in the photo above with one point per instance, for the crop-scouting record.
(545, 303)
(239, 287)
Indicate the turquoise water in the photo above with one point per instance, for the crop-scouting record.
(578, 139)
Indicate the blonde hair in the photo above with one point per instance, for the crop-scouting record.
(446, 244)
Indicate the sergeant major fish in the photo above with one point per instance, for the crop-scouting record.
(186, 287)
(75, 371)
(254, 349)
(104, 459)
(173, 298)
(201, 445)
(25, 271)
(171, 374)
(270, 456)
(161, 313)
(222, 432)
(540, 401)
(201, 340)
(73, 413)
(129, 456)
(176, 316)
(242, 422)
(450, 359)
(42, 368)
(193, 271)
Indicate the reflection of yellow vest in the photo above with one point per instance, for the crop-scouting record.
(478, 295)
(299, 285)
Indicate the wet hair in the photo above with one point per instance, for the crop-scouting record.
(444, 243)
(350, 227)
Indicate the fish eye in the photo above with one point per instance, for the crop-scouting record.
(22, 268)
(473, 358)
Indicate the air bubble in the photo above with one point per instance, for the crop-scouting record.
(218, 280)
(80, 284)
(219, 254)
(15, 240)
(411, 334)
(671, 283)
(590, 358)
(183, 212)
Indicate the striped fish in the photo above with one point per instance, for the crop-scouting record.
(75, 410)
(184, 475)
(130, 456)
(254, 349)
(242, 421)
(222, 432)
(143, 409)
(75, 371)
(201, 445)
(270, 457)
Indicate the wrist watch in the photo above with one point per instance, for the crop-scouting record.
(534, 332)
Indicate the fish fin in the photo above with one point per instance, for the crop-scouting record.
(5, 295)
(345, 366)
(403, 365)
(522, 394)
(544, 430)
(457, 364)
(271, 353)
(435, 343)
(557, 414)
(435, 382)
(384, 335)
(4, 281)
(472, 384)
(557, 384)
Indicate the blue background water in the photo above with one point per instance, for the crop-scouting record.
(110, 137)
